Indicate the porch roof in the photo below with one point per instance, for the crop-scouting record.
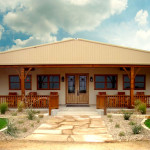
(75, 51)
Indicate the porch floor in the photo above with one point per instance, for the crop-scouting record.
(81, 128)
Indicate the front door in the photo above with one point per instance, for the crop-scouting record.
(77, 89)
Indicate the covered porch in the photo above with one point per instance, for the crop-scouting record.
(91, 93)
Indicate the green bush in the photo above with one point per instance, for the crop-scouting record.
(30, 114)
(11, 129)
(127, 115)
(24, 130)
(137, 129)
(121, 134)
(3, 108)
(20, 106)
(132, 123)
(14, 114)
(140, 106)
(109, 116)
(117, 125)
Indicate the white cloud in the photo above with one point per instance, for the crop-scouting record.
(8, 5)
(141, 17)
(40, 17)
(1, 31)
(33, 40)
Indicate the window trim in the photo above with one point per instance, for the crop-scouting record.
(134, 82)
(105, 75)
(48, 75)
(20, 82)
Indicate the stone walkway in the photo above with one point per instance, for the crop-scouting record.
(72, 128)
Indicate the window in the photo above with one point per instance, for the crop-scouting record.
(48, 82)
(139, 83)
(105, 82)
(15, 83)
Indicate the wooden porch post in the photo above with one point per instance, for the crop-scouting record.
(22, 82)
(131, 87)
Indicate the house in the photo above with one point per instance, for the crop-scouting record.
(79, 71)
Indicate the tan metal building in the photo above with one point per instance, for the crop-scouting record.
(77, 69)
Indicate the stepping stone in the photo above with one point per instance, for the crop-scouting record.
(63, 127)
(67, 132)
(95, 117)
(90, 131)
(47, 137)
(82, 126)
(54, 120)
(47, 132)
(78, 123)
(48, 126)
(91, 138)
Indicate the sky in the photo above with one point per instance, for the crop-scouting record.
(25, 23)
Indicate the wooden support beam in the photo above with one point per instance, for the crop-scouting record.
(22, 82)
(132, 87)
(138, 69)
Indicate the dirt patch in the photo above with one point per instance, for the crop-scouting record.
(38, 145)
(24, 126)
(121, 129)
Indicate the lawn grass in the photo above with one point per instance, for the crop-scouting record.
(147, 123)
(3, 123)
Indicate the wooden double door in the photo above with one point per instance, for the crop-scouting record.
(77, 89)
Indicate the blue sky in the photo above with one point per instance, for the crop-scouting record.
(34, 22)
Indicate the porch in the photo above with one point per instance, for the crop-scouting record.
(74, 84)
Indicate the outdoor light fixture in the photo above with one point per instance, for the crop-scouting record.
(62, 79)
(91, 79)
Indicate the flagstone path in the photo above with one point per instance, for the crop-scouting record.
(81, 128)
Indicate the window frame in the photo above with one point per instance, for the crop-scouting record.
(20, 82)
(105, 76)
(48, 81)
(135, 82)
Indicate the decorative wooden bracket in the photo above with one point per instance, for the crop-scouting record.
(138, 69)
(128, 72)
(27, 73)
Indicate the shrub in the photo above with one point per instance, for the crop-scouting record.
(38, 121)
(30, 114)
(40, 116)
(109, 116)
(142, 108)
(132, 123)
(137, 129)
(32, 125)
(20, 106)
(24, 130)
(14, 114)
(20, 121)
(121, 134)
(117, 125)
(127, 115)
(3, 108)
(11, 129)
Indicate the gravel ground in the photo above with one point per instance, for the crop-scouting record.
(24, 126)
(112, 119)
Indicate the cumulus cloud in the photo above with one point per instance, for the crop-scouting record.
(33, 40)
(72, 16)
(141, 17)
(9, 5)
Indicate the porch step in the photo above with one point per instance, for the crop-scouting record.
(76, 113)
